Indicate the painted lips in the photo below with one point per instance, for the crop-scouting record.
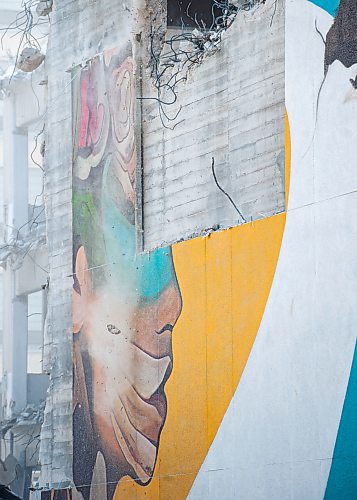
(158, 398)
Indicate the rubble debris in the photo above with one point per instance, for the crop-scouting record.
(31, 415)
(30, 59)
(44, 8)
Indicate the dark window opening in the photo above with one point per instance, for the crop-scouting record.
(194, 13)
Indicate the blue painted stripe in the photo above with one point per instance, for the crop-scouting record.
(342, 481)
(329, 6)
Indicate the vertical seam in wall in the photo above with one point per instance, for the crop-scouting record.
(231, 311)
(206, 336)
(70, 336)
(139, 176)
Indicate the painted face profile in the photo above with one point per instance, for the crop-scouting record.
(125, 303)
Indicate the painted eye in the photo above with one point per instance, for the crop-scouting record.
(113, 329)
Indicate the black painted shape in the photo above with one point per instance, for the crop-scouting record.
(341, 39)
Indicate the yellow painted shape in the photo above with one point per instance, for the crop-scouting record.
(219, 327)
(225, 280)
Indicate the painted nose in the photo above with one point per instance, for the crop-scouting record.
(171, 306)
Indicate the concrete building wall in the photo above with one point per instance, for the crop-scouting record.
(232, 109)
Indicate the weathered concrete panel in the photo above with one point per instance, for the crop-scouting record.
(232, 110)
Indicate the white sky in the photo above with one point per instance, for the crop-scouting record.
(8, 11)
(9, 47)
(10, 42)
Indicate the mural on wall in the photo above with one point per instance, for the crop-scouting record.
(125, 305)
(161, 339)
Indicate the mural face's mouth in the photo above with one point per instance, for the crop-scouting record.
(140, 447)
(159, 401)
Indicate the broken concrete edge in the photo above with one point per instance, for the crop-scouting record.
(168, 70)
(44, 8)
(30, 415)
(206, 232)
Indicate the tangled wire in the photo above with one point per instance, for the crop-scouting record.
(183, 50)
(25, 25)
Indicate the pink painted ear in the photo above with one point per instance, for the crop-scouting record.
(79, 300)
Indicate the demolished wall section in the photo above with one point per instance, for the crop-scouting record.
(231, 107)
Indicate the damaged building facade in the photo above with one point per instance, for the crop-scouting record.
(23, 267)
(199, 190)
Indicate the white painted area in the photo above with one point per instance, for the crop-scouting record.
(336, 117)
(277, 437)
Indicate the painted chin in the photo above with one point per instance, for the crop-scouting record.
(139, 445)
(159, 401)
(147, 463)
(130, 406)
